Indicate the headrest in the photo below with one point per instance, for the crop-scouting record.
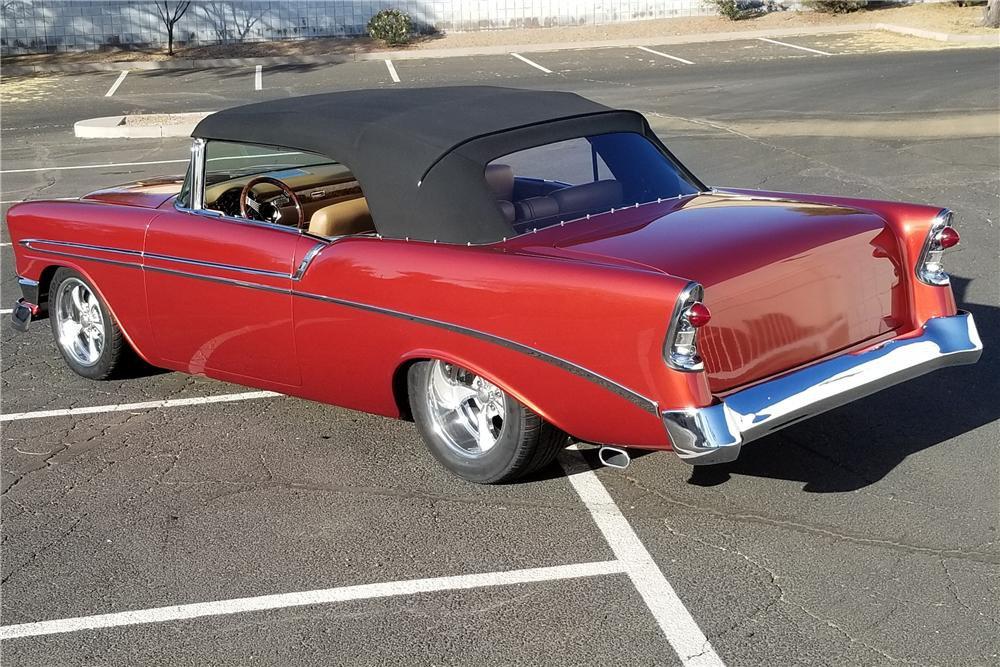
(500, 178)
(507, 209)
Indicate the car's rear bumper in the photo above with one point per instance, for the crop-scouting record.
(714, 434)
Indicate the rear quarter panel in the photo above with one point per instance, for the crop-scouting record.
(527, 323)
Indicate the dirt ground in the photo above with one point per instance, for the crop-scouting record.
(942, 17)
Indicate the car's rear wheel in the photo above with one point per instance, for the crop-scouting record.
(474, 428)
(87, 335)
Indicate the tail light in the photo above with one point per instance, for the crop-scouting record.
(690, 314)
(940, 237)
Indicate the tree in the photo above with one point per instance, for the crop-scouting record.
(170, 13)
(992, 16)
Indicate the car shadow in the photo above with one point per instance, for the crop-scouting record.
(858, 444)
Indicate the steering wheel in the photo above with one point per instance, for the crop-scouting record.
(266, 211)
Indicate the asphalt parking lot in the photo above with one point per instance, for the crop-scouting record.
(867, 535)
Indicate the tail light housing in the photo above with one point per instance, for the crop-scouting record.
(681, 347)
(940, 237)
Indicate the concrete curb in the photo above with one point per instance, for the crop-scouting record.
(986, 40)
(116, 127)
(416, 54)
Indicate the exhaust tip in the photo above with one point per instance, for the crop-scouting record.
(614, 457)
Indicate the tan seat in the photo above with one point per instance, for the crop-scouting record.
(342, 219)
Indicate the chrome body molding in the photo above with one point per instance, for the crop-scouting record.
(299, 272)
(32, 243)
(633, 397)
(307, 260)
(714, 434)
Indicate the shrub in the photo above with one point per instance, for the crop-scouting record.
(391, 26)
(737, 10)
(728, 8)
(836, 6)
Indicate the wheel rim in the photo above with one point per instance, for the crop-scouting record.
(79, 322)
(467, 411)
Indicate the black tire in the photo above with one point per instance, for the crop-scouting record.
(115, 352)
(525, 444)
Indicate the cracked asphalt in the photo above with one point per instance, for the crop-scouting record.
(867, 535)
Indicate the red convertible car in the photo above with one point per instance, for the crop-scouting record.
(508, 268)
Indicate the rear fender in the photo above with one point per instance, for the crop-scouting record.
(541, 390)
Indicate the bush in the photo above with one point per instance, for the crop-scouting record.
(737, 10)
(836, 6)
(391, 26)
(728, 8)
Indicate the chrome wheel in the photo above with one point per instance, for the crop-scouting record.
(79, 322)
(467, 411)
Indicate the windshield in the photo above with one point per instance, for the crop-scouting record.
(544, 185)
(226, 160)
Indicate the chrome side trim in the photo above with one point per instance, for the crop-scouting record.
(28, 243)
(714, 434)
(636, 398)
(307, 260)
(214, 265)
(216, 279)
(33, 243)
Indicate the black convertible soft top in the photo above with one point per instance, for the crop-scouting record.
(420, 153)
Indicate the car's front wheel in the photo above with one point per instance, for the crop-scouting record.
(474, 428)
(87, 335)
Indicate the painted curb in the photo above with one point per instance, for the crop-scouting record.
(416, 54)
(115, 127)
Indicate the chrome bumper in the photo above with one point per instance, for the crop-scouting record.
(714, 434)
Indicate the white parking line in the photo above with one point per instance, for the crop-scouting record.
(674, 619)
(18, 201)
(6, 311)
(392, 70)
(532, 63)
(257, 77)
(136, 164)
(665, 55)
(118, 82)
(324, 596)
(4, 244)
(91, 166)
(794, 46)
(632, 559)
(148, 405)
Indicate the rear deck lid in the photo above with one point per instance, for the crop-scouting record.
(787, 282)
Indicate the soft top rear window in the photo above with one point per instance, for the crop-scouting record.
(565, 180)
